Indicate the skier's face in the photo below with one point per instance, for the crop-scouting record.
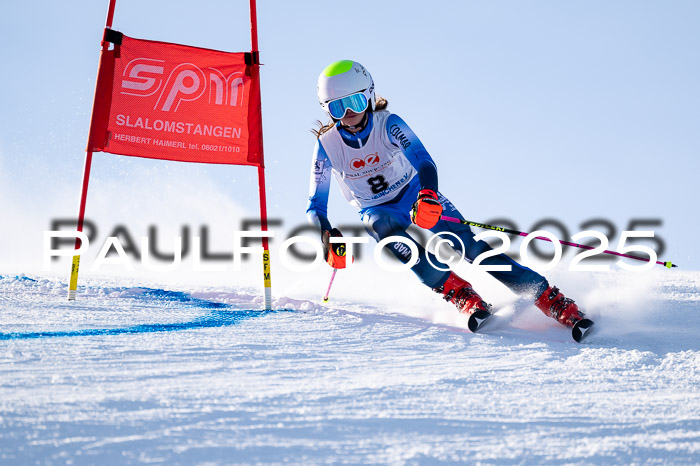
(352, 119)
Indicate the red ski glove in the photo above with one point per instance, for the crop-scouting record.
(334, 253)
(427, 210)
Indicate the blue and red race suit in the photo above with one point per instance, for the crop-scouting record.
(380, 170)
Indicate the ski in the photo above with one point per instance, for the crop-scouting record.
(581, 329)
(477, 319)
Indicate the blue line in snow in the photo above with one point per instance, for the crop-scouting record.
(213, 319)
(219, 315)
(178, 296)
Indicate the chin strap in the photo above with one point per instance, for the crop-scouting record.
(359, 126)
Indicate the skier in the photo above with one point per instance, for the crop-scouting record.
(384, 171)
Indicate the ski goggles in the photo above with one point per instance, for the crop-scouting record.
(355, 102)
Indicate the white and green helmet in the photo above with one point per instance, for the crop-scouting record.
(344, 85)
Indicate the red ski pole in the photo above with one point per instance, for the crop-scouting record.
(515, 232)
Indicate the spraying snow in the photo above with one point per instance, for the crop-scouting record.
(135, 372)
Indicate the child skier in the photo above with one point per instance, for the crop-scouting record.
(385, 172)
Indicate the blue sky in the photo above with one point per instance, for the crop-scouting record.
(575, 110)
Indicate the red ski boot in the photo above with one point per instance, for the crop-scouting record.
(468, 301)
(553, 303)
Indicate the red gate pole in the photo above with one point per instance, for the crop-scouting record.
(75, 266)
(261, 167)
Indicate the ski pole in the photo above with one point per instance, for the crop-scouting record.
(515, 232)
(325, 298)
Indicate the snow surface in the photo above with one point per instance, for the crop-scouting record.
(135, 373)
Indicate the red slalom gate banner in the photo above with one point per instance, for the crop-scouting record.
(174, 102)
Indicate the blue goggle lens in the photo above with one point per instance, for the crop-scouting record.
(356, 102)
